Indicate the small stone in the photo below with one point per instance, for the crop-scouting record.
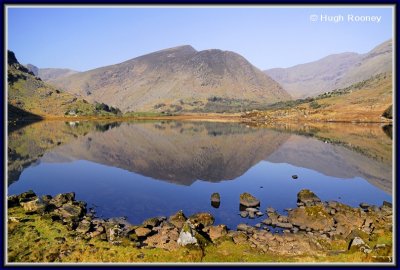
(295, 176)
(252, 215)
(259, 213)
(283, 219)
(250, 209)
(267, 221)
(60, 240)
(332, 212)
(270, 210)
(244, 214)
(303, 227)
(295, 230)
(258, 225)
(284, 225)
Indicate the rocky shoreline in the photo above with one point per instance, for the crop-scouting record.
(314, 230)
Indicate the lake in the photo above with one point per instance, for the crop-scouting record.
(155, 168)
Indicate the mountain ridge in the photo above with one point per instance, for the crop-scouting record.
(178, 77)
(333, 71)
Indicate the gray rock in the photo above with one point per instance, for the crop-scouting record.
(186, 236)
(258, 225)
(357, 241)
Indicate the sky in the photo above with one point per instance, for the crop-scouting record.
(87, 38)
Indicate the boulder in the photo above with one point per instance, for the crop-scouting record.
(84, 226)
(215, 197)
(216, 232)
(248, 200)
(313, 217)
(142, 232)
(201, 220)
(70, 211)
(27, 196)
(178, 219)
(32, 206)
(153, 222)
(187, 235)
(46, 199)
(12, 201)
(267, 221)
(63, 198)
(307, 197)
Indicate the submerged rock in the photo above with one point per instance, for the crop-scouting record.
(248, 200)
(295, 176)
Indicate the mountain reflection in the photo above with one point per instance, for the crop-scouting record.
(183, 152)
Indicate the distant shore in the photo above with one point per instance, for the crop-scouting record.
(252, 118)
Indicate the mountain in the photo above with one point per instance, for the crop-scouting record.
(176, 79)
(334, 71)
(49, 74)
(365, 101)
(30, 97)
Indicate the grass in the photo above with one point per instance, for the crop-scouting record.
(38, 239)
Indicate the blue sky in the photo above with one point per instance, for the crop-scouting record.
(86, 38)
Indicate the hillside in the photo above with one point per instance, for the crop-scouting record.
(30, 97)
(49, 74)
(365, 101)
(334, 71)
(177, 79)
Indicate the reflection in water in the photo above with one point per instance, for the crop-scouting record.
(55, 157)
(175, 153)
(388, 130)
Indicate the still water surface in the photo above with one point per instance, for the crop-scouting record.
(146, 169)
